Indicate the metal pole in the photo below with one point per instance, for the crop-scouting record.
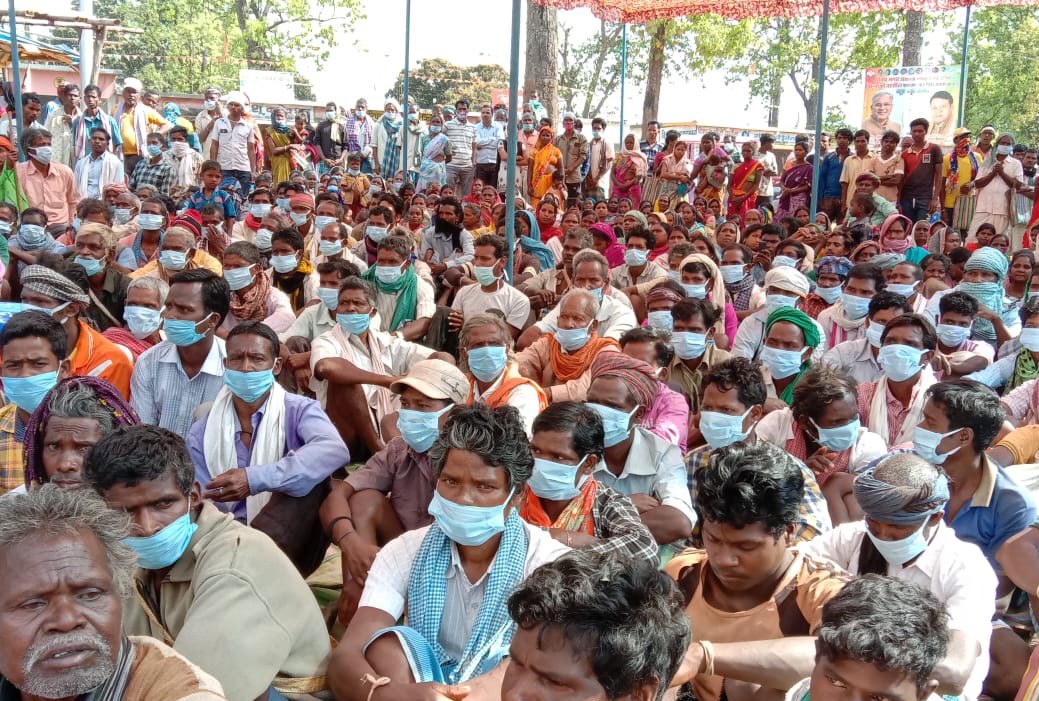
(86, 46)
(824, 30)
(404, 104)
(624, 77)
(513, 123)
(16, 123)
(963, 69)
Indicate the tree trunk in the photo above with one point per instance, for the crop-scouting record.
(914, 38)
(542, 73)
(655, 73)
(775, 92)
(253, 51)
(811, 99)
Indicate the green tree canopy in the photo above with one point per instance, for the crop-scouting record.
(437, 81)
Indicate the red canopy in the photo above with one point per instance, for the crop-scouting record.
(639, 11)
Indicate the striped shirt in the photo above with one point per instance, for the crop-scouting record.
(162, 392)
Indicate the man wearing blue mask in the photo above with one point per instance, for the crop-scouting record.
(891, 406)
(903, 536)
(984, 278)
(693, 329)
(34, 348)
(142, 312)
(405, 301)
(175, 377)
(95, 251)
(354, 364)
(371, 232)
(1013, 369)
(153, 170)
(959, 353)
(637, 268)
(847, 318)
(221, 594)
(491, 291)
(30, 238)
(51, 186)
(137, 250)
(252, 294)
(784, 287)
(858, 358)
(482, 461)
(390, 494)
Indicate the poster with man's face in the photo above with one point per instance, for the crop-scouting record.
(894, 97)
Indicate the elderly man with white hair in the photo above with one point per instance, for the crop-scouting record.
(142, 309)
(234, 142)
(388, 140)
(95, 251)
(574, 147)
(784, 287)
(136, 120)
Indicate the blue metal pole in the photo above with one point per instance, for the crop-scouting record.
(404, 103)
(824, 30)
(624, 77)
(510, 174)
(16, 128)
(963, 69)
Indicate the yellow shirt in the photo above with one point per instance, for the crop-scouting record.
(129, 134)
(963, 176)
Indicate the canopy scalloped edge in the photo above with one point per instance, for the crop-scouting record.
(639, 11)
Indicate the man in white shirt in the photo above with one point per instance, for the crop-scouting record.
(100, 167)
(234, 143)
(858, 358)
(846, 319)
(491, 291)
(488, 135)
(600, 162)
(784, 286)
(904, 536)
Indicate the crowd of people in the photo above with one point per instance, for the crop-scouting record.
(341, 438)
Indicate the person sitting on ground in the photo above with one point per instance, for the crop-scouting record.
(821, 428)
(291, 272)
(879, 637)
(353, 365)
(143, 247)
(753, 616)
(559, 361)
(957, 352)
(95, 252)
(564, 496)
(784, 287)
(69, 552)
(290, 446)
(847, 318)
(71, 418)
(637, 268)
(404, 300)
(142, 312)
(202, 575)
(1014, 369)
(903, 499)
(693, 323)
(482, 461)
(485, 348)
(548, 286)
(59, 287)
(858, 358)
(491, 291)
(34, 349)
(253, 297)
(831, 272)
(791, 336)
(636, 462)
(907, 278)
(600, 624)
(668, 414)
(179, 251)
(390, 493)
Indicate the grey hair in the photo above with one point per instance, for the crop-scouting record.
(582, 236)
(52, 511)
(496, 436)
(191, 242)
(79, 401)
(594, 257)
(29, 136)
(488, 318)
(907, 470)
(151, 283)
(582, 295)
(135, 201)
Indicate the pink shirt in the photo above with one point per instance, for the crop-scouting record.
(668, 417)
(55, 193)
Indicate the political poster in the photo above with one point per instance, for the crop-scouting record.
(267, 87)
(896, 96)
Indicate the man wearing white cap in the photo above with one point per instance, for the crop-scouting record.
(784, 287)
(574, 147)
(136, 120)
(234, 142)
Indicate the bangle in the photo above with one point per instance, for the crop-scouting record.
(333, 522)
(708, 657)
(342, 537)
(568, 543)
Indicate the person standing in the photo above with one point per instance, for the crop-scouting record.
(234, 144)
(488, 136)
(831, 198)
(330, 140)
(998, 179)
(100, 167)
(136, 120)
(463, 147)
(359, 134)
(204, 120)
(574, 147)
(923, 174)
(854, 164)
(649, 146)
(48, 186)
(59, 124)
(91, 117)
(767, 159)
(1024, 201)
(600, 163)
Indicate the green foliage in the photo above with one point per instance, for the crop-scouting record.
(437, 81)
(590, 71)
(1002, 72)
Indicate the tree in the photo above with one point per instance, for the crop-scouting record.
(278, 31)
(541, 76)
(590, 71)
(655, 71)
(914, 37)
(1001, 79)
(435, 81)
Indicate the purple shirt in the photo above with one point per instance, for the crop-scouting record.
(313, 451)
(668, 417)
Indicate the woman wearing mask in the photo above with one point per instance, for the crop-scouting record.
(629, 169)
(253, 298)
(546, 159)
(436, 154)
(673, 172)
(279, 145)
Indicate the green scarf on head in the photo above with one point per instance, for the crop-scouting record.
(407, 303)
(812, 338)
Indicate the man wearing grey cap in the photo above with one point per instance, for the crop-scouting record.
(234, 143)
(574, 147)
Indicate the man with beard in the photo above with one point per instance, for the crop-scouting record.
(61, 617)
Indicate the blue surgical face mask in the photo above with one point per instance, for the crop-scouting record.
(150, 222)
(697, 290)
(122, 215)
(142, 321)
(925, 444)
(953, 336)
(332, 188)
(782, 363)
(785, 262)
(840, 437)
(5, 228)
(1004, 149)
(376, 233)
(899, 552)
(906, 289)
(616, 424)
(154, 150)
(774, 302)
(900, 362)
(173, 260)
(43, 154)
(354, 322)
(661, 319)
(435, 129)
(598, 292)
(689, 345)
(238, 278)
(32, 235)
(467, 524)
(263, 239)
(485, 274)
(299, 218)
(330, 248)
(329, 296)
(487, 362)
(873, 332)
(93, 266)
(282, 202)
(573, 339)
(259, 210)
(830, 294)
(162, 549)
(731, 274)
(322, 221)
(720, 430)
(675, 275)
(634, 258)
(353, 171)
(248, 386)
(556, 481)
(1029, 338)
(182, 332)
(855, 307)
(28, 392)
(420, 429)
(284, 264)
(388, 274)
